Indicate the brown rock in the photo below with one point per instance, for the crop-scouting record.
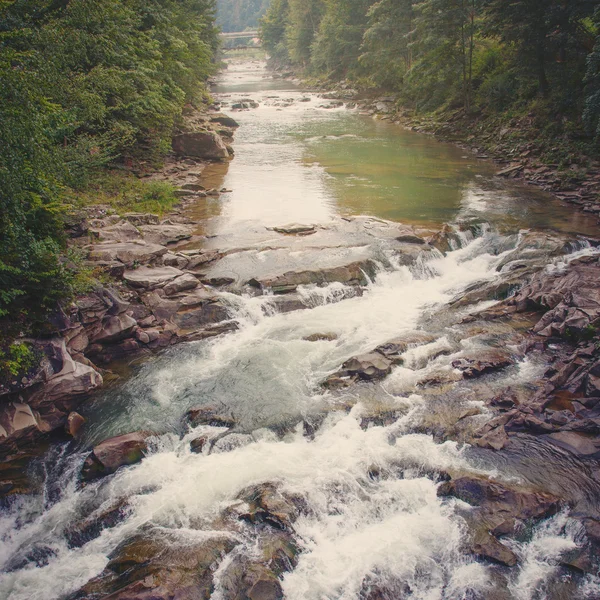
(200, 144)
(113, 453)
(74, 424)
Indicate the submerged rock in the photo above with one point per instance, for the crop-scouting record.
(209, 415)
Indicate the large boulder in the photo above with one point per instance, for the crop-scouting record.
(200, 144)
(115, 328)
(115, 452)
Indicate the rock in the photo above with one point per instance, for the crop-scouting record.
(200, 144)
(354, 274)
(129, 253)
(151, 277)
(224, 120)
(295, 229)
(194, 187)
(201, 258)
(266, 504)
(575, 443)
(121, 232)
(512, 170)
(115, 328)
(74, 424)
(138, 219)
(160, 567)
(321, 337)
(113, 453)
(82, 532)
(218, 281)
(166, 234)
(398, 346)
(485, 545)
(209, 415)
(175, 260)
(369, 366)
(498, 510)
(410, 238)
(181, 284)
(487, 361)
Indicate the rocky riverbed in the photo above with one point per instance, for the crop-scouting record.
(344, 407)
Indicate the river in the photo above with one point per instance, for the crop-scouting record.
(366, 461)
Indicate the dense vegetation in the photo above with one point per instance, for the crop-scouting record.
(533, 57)
(239, 15)
(83, 85)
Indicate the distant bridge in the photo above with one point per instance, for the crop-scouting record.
(240, 34)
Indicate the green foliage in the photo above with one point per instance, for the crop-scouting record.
(16, 360)
(82, 85)
(127, 193)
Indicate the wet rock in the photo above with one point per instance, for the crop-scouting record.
(498, 510)
(410, 238)
(577, 444)
(266, 504)
(445, 240)
(89, 528)
(354, 274)
(368, 366)
(486, 361)
(197, 445)
(155, 567)
(181, 284)
(321, 337)
(129, 253)
(209, 415)
(115, 452)
(485, 545)
(151, 277)
(398, 346)
(74, 424)
(200, 144)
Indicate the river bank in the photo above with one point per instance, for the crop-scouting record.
(397, 408)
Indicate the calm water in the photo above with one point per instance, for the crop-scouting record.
(354, 178)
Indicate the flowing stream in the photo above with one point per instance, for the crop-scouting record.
(369, 480)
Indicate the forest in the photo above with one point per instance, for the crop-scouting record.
(238, 15)
(494, 57)
(83, 85)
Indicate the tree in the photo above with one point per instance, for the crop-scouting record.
(337, 44)
(387, 49)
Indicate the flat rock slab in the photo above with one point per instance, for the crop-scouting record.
(151, 277)
(295, 229)
(166, 234)
(126, 252)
